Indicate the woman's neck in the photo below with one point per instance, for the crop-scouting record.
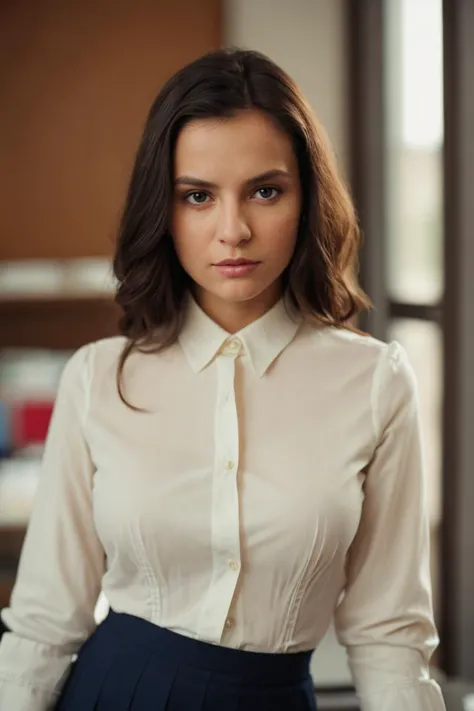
(233, 316)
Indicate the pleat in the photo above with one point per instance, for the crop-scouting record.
(82, 689)
(221, 696)
(121, 681)
(304, 697)
(309, 695)
(129, 666)
(189, 690)
(154, 686)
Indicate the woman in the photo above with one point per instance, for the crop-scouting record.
(241, 464)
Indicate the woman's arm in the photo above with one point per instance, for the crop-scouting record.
(385, 619)
(51, 611)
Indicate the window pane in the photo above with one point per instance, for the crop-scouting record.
(423, 343)
(414, 111)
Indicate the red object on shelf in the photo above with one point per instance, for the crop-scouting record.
(31, 422)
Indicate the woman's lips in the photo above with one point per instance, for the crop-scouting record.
(236, 269)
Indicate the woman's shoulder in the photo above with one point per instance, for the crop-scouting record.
(353, 350)
(384, 367)
(353, 343)
(101, 360)
(107, 349)
(98, 355)
(104, 349)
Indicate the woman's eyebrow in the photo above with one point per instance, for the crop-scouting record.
(189, 180)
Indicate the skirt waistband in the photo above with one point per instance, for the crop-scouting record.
(267, 668)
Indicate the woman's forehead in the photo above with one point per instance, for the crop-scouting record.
(249, 144)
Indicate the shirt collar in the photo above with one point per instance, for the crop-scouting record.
(201, 338)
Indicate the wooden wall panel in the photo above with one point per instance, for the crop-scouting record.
(77, 78)
(56, 323)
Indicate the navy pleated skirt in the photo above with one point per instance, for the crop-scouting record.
(129, 664)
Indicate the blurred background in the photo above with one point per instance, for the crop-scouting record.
(391, 80)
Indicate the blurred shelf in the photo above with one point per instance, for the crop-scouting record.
(56, 321)
(11, 541)
(337, 700)
(6, 587)
(51, 295)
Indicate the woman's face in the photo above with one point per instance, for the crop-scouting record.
(237, 196)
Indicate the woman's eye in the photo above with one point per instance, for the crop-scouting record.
(268, 193)
(197, 198)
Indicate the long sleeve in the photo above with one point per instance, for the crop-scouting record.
(52, 607)
(385, 619)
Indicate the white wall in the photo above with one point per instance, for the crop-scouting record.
(308, 39)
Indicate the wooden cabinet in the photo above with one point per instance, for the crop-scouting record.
(77, 79)
(55, 322)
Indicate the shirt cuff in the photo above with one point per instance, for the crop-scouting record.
(32, 674)
(421, 696)
(390, 678)
(24, 698)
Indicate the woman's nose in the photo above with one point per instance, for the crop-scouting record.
(233, 226)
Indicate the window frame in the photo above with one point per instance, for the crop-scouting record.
(368, 182)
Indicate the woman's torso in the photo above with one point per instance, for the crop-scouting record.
(226, 510)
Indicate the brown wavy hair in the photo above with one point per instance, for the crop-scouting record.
(321, 278)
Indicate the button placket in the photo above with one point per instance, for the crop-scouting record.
(225, 501)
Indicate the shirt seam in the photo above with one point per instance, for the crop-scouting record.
(149, 575)
(294, 607)
(375, 394)
(303, 587)
(88, 375)
(386, 355)
(295, 601)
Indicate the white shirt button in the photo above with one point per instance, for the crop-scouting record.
(232, 347)
(229, 623)
(234, 565)
(229, 465)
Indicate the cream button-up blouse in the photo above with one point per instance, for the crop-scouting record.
(275, 480)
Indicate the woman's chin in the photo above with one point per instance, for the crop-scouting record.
(240, 291)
